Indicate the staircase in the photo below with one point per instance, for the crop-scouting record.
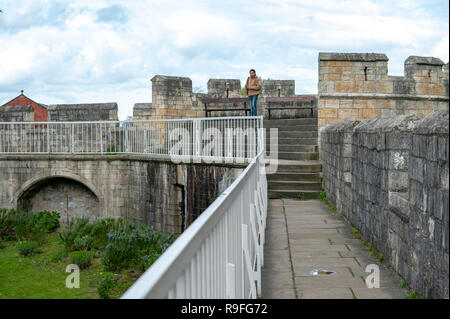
(298, 159)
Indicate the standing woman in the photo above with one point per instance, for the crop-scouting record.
(253, 87)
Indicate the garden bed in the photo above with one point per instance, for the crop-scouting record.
(111, 254)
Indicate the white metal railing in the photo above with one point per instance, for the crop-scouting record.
(220, 254)
(223, 137)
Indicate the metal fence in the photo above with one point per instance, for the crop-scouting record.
(220, 255)
(233, 137)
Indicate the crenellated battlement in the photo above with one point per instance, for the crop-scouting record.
(356, 86)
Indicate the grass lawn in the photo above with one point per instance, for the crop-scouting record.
(43, 276)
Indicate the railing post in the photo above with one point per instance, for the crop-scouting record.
(48, 138)
(73, 138)
(126, 137)
(231, 281)
(101, 138)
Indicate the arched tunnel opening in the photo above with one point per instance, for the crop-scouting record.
(68, 197)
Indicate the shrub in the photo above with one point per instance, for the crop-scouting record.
(137, 248)
(58, 256)
(83, 242)
(28, 227)
(7, 224)
(77, 227)
(28, 248)
(80, 258)
(106, 283)
(48, 220)
(102, 227)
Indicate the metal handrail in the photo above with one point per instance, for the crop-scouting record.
(220, 254)
(192, 136)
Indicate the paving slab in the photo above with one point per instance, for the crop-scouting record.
(327, 293)
(303, 235)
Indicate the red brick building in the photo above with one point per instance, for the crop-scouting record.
(40, 110)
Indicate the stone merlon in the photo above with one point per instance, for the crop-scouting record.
(170, 83)
(423, 60)
(356, 57)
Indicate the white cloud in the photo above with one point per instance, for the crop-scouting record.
(100, 51)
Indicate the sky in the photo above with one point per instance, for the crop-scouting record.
(95, 51)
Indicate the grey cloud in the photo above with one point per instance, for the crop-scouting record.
(114, 13)
(38, 13)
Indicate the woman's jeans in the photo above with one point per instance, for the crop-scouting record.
(253, 99)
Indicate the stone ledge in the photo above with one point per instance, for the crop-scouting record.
(355, 57)
(441, 98)
(105, 157)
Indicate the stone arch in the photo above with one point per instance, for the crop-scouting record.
(32, 187)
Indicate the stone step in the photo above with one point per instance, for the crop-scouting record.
(293, 128)
(283, 193)
(293, 176)
(297, 148)
(295, 141)
(295, 185)
(291, 166)
(283, 122)
(298, 155)
(301, 134)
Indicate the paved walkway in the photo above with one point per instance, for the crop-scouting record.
(307, 235)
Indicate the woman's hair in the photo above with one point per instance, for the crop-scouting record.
(252, 70)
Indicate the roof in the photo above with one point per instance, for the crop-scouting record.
(21, 94)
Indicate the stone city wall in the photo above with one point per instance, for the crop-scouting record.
(83, 112)
(172, 97)
(134, 187)
(390, 179)
(16, 114)
(356, 86)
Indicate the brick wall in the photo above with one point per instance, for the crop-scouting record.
(40, 112)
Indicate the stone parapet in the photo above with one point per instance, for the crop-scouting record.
(356, 86)
(389, 178)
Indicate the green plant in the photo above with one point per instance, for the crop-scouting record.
(48, 220)
(58, 256)
(128, 248)
(303, 196)
(111, 149)
(106, 283)
(402, 284)
(381, 258)
(411, 295)
(7, 224)
(80, 258)
(282, 196)
(28, 248)
(320, 178)
(28, 226)
(2, 245)
(76, 227)
(83, 242)
(100, 229)
(322, 196)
